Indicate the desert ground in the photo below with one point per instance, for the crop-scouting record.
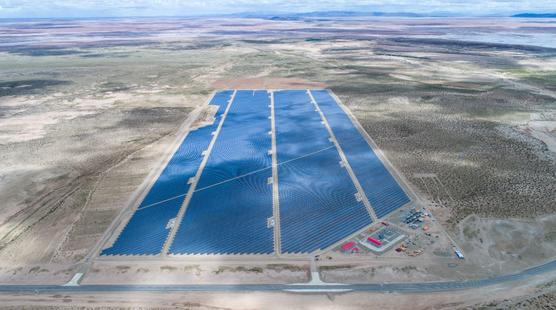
(535, 293)
(89, 109)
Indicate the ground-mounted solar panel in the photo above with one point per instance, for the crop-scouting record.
(382, 190)
(244, 140)
(230, 218)
(147, 230)
(318, 206)
(299, 131)
(231, 206)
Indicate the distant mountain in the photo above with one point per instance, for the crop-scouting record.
(536, 15)
(320, 14)
(355, 14)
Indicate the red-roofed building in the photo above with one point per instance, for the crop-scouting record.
(348, 246)
(373, 240)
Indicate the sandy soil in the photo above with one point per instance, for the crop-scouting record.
(498, 245)
(191, 273)
(543, 128)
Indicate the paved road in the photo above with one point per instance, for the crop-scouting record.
(424, 287)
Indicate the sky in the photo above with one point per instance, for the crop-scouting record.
(109, 8)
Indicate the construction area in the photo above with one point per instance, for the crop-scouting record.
(407, 233)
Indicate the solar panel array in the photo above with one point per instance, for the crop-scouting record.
(233, 200)
(231, 206)
(147, 230)
(318, 206)
(382, 190)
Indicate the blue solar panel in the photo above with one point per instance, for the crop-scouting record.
(146, 231)
(317, 197)
(244, 140)
(382, 189)
(317, 203)
(229, 210)
(230, 218)
(298, 126)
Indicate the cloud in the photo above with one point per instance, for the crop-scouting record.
(72, 8)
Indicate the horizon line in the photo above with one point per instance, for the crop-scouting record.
(377, 14)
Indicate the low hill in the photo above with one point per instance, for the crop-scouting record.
(536, 15)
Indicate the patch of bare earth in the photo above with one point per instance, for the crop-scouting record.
(175, 272)
(266, 83)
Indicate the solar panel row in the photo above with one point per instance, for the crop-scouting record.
(317, 197)
(147, 230)
(382, 190)
(230, 207)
